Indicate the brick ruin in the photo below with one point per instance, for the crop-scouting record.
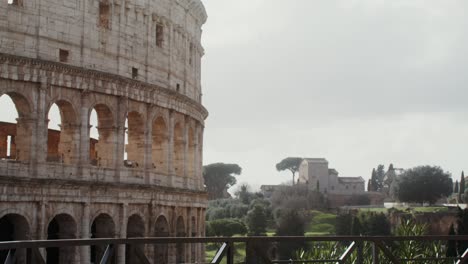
(137, 65)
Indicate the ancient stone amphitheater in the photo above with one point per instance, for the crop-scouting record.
(137, 64)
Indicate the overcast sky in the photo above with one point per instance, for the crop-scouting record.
(359, 83)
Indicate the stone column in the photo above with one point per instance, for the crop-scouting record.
(200, 156)
(42, 221)
(196, 167)
(85, 234)
(202, 232)
(119, 152)
(41, 232)
(186, 149)
(84, 150)
(39, 136)
(69, 143)
(148, 144)
(170, 153)
(25, 140)
(123, 234)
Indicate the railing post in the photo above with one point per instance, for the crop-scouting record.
(230, 253)
(375, 254)
(359, 259)
(29, 256)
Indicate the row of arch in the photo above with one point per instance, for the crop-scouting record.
(15, 227)
(165, 143)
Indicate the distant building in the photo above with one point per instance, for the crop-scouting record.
(316, 173)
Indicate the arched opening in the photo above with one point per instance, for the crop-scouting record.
(103, 128)
(62, 134)
(180, 247)
(161, 251)
(14, 227)
(193, 246)
(102, 227)
(135, 228)
(15, 130)
(135, 141)
(192, 150)
(178, 151)
(62, 226)
(159, 145)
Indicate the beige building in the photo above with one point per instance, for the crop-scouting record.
(133, 62)
(316, 173)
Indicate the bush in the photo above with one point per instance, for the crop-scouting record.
(225, 227)
(225, 208)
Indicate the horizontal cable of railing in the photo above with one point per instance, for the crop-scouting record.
(175, 240)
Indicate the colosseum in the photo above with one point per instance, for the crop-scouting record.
(137, 65)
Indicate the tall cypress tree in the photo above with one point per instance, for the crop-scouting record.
(456, 190)
(373, 181)
(462, 187)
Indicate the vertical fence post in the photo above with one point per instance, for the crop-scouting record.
(359, 252)
(29, 256)
(375, 254)
(230, 253)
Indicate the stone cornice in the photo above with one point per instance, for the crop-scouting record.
(5, 180)
(51, 72)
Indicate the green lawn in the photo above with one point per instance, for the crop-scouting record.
(321, 224)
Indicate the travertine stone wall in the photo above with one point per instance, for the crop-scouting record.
(42, 28)
(135, 61)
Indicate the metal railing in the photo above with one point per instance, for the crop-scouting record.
(256, 248)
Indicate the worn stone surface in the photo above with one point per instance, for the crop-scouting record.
(128, 60)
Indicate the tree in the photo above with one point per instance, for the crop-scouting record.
(291, 163)
(373, 182)
(291, 223)
(244, 195)
(456, 187)
(257, 221)
(219, 177)
(424, 184)
(379, 177)
(462, 187)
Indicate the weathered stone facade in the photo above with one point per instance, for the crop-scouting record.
(134, 61)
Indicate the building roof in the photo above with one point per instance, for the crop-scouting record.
(351, 179)
(332, 171)
(315, 160)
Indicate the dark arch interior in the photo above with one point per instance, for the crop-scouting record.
(194, 234)
(180, 248)
(14, 227)
(102, 227)
(161, 251)
(135, 228)
(62, 226)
